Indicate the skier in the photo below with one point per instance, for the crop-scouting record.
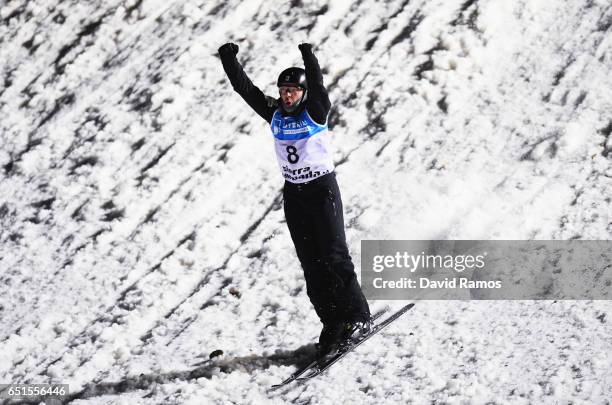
(312, 203)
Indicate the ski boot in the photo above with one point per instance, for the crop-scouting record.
(353, 331)
(330, 337)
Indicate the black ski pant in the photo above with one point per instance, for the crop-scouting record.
(314, 215)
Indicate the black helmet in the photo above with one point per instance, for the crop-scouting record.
(293, 76)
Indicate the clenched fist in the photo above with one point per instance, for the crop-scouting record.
(228, 48)
(305, 47)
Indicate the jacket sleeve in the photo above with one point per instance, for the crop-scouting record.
(264, 106)
(317, 100)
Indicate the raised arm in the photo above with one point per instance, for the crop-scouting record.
(264, 106)
(317, 101)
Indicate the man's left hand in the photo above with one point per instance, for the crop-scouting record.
(305, 46)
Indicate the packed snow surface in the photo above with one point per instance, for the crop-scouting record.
(137, 189)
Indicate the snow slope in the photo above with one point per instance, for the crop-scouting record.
(137, 189)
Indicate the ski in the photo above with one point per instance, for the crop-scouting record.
(296, 374)
(320, 367)
(318, 359)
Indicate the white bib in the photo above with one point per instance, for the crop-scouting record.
(302, 147)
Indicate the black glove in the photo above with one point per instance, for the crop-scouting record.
(229, 48)
(305, 47)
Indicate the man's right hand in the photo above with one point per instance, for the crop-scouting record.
(229, 48)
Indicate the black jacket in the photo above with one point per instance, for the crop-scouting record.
(317, 100)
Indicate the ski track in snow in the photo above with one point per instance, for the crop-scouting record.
(137, 188)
